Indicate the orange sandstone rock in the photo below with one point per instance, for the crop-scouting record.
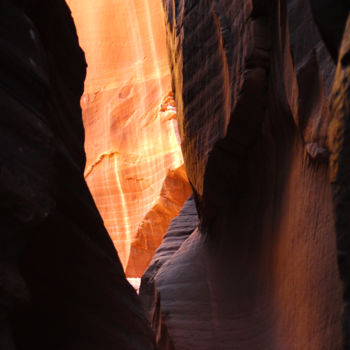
(130, 123)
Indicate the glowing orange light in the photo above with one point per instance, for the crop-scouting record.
(131, 134)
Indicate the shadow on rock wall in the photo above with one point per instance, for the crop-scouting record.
(262, 97)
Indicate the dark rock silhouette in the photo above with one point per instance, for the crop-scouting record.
(61, 283)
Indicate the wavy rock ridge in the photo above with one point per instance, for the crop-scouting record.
(260, 111)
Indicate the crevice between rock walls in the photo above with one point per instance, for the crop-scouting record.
(130, 123)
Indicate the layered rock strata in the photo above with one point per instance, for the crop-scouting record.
(62, 285)
(253, 85)
(132, 143)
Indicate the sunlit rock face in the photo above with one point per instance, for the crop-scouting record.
(130, 122)
(262, 97)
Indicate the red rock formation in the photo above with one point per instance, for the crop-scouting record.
(152, 228)
(253, 83)
(131, 131)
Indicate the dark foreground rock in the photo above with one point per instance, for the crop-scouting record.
(257, 85)
(61, 283)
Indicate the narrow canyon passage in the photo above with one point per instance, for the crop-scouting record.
(104, 104)
(134, 167)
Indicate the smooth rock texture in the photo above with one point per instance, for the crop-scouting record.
(179, 230)
(132, 142)
(62, 285)
(256, 92)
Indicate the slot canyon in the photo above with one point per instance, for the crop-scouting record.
(134, 164)
(198, 145)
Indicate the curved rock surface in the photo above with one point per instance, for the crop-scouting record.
(253, 88)
(62, 285)
(179, 230)
(130, 121)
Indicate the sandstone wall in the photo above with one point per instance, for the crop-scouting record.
(253, 87)
(130, 121)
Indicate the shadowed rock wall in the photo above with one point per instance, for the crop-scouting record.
(253, 83)
(62, 285)
(339, 134)
(132, 142)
